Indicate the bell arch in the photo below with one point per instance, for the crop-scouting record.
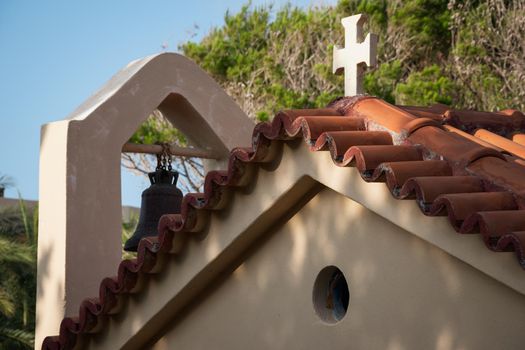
(80, 198)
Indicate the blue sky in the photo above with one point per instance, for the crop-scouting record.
(54, 54)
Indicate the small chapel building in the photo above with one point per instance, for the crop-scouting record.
(362, 225)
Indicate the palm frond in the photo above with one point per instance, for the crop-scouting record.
(11, 224)
(28, 229)
(20, 336)
(13, 252)
(7, 307)
(35, 224)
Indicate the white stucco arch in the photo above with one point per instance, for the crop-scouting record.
(80, 199)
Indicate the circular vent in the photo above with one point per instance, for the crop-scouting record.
(331, 295)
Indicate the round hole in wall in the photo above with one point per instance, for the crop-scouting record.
(331, 295)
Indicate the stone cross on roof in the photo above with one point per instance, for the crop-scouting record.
(356, 55)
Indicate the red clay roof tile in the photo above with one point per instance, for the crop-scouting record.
(477, 187)
(519, 138)
(502, 142)
(473, 138)
(368, 158)
(460, 206)
(338, 142)
(428, 189)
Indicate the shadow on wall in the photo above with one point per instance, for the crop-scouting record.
(45, 281)
(404, 293)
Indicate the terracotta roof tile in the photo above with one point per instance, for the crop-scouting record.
(461, 206)
(427, 189)
(398, 173)
(502, 142)
(473, 138)
(504, 122)
(493, 127)
(519, 138)
(368, 158)
(479, 188)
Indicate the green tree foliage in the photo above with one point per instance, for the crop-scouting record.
(269, 61)
(383, 80)
(425, 87)
(18, 232)
(429, 51)
(423, 27)
(487, 59)
(156, 129)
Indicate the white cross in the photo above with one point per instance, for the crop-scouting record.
(356, 55)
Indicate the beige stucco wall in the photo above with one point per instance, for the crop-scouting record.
(404, 292)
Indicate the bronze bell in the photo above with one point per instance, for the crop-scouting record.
(162, 197)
